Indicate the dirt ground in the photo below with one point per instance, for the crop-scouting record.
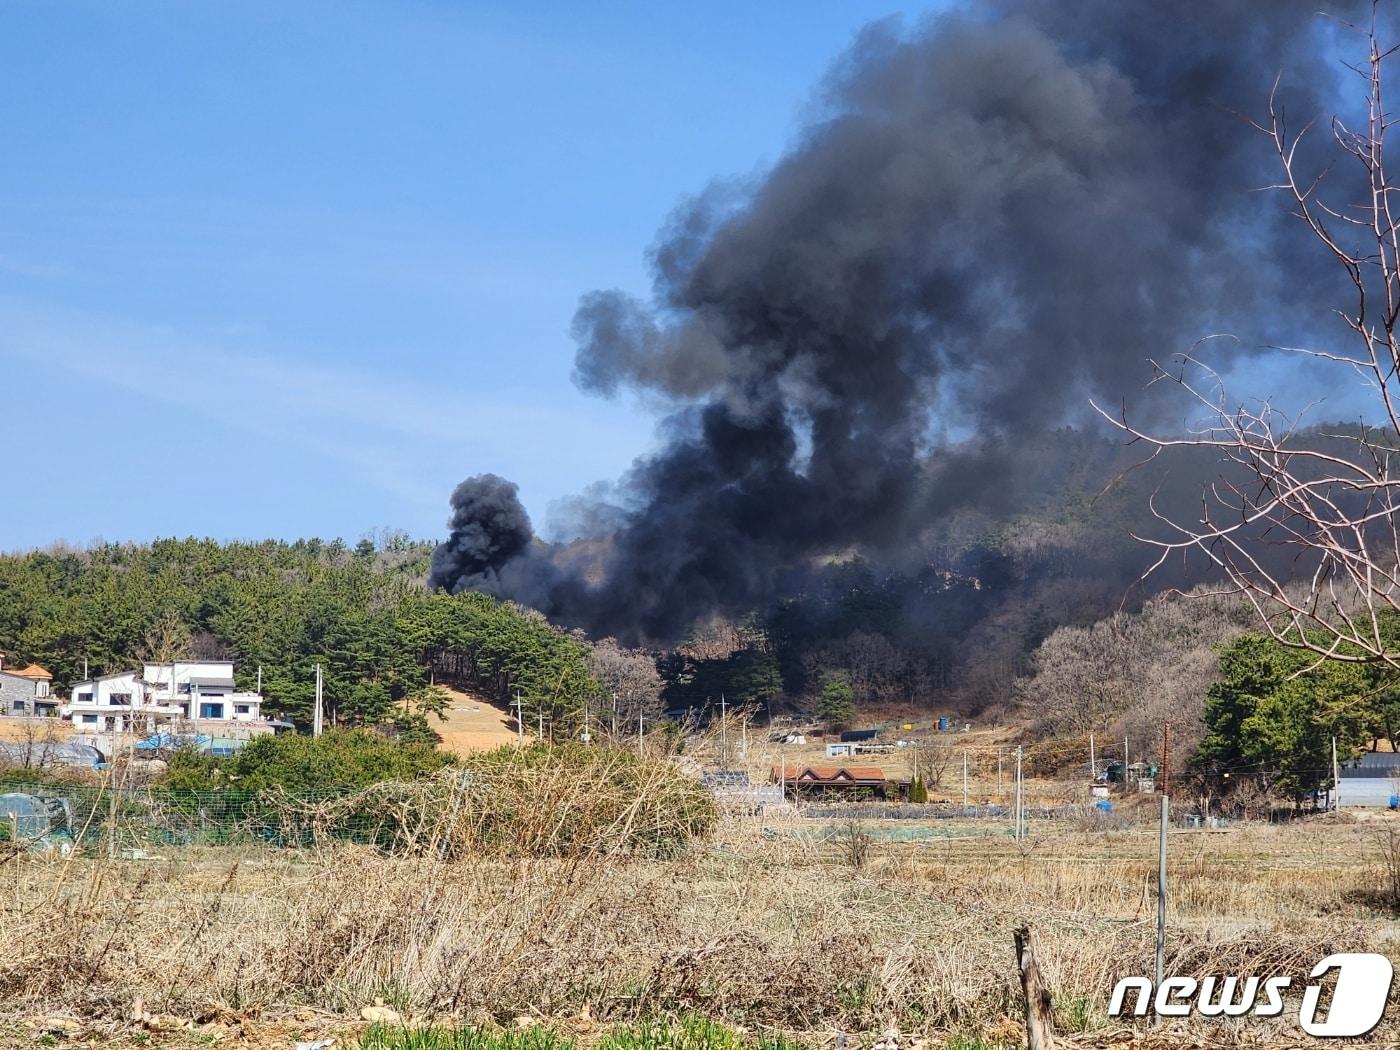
(473, 724)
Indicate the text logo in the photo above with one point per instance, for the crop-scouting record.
(1354, 1007)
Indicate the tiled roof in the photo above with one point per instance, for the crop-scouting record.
(830, 774)
(32, 671)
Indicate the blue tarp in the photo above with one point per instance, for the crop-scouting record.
(170, 740)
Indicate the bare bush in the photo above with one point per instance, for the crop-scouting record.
(1388, 847)
(856, 844)
(546, 801)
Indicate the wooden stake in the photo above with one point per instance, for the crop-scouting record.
(1040, 1033)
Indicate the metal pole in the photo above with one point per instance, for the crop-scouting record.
(1166, 754)
(541, 730)
(1336, 778)
(1021, 818)
(1162, 894)
(723, 735)
(318, 715)
(998, 772)
(964, 778)
(1093, 764)
(639, 731)
(519, 720)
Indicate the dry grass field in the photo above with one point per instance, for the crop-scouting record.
(782, 928)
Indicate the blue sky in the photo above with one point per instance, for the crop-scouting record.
(279, 270)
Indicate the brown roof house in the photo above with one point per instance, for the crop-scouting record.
(24, 691)
(854, 781)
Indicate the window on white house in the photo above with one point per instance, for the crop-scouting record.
(241, 709)
(82, 698)
(90, 720)
(119, 699)
(17, 705)
(41, 688)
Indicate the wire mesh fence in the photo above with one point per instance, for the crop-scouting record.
(46, 816)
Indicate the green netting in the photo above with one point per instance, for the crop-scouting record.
(101, 816)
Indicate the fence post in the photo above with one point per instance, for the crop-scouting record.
(1040, 1034)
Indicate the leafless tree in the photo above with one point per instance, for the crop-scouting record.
(1132, 673)
(1329, 501)
(167, 639)
(631, 685)
(36, 741)
(933, 758)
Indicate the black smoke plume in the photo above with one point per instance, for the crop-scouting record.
(489, 528)
(985, 220)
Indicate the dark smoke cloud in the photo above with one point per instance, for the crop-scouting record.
(986, 219)
(489, 528)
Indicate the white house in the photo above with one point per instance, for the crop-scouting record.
(193, 690)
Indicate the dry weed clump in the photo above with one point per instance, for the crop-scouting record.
(541, 801)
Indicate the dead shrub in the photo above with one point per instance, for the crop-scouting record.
(856, 844)
(540, 801)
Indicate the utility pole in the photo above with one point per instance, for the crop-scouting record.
(998, 772)
(639, 731)
(964, 778)
(723, 735)
(1125, 761)
(317, 714)
(541, 729)
(1162, 897)
(1093, 764)
(1020, 797)
(614, 719)
(1165, 789)
(1336, 778)
(519, 719)
(259, 689)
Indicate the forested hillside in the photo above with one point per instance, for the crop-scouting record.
(361, 612)
(953, 622)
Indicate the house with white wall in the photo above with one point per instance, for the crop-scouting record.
(1372, 780)
(193, 691)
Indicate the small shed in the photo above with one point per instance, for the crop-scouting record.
(1370, 781)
